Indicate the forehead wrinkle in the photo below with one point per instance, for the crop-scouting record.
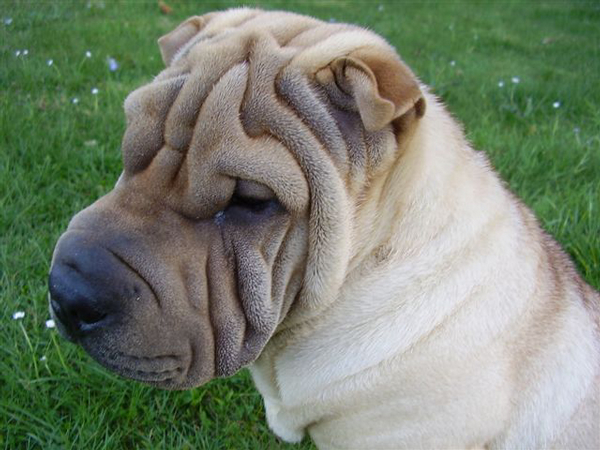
(171, 72)
(227, 24)
(219, 131)
(318, 33)
(283, 124)
(296, 94)
(290, 90)
(267, 161)
(265, 112)
(146, 110)
(238, 109)
(255, 28)
(219, 58)
(199, 188)
(217, 25)
(342, 42)
(233, 18)
(218, 117)
(278, 25)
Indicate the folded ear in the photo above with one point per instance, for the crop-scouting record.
(382, 87)
(171, 42)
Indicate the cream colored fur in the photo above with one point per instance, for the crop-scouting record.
(448, 331)
(460, 324)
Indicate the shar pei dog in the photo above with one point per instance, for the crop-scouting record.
(294, 200)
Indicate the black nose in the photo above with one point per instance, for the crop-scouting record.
(88, 285)
(73, 301)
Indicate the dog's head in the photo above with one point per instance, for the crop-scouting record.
(244, 161)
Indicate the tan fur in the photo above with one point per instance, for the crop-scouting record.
(398, 297)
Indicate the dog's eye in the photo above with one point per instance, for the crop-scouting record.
(252, 196)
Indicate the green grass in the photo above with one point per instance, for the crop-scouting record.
(56, 157)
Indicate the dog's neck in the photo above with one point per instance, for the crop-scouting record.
(402, 212)
(405, 222)
(406, 215)
(416, 178)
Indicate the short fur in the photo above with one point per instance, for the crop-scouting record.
(399, 296)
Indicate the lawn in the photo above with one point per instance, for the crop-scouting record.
(522, 77)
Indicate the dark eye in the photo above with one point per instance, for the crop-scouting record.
(249, 203)
(253, 197)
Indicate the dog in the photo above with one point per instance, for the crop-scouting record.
(294, 200)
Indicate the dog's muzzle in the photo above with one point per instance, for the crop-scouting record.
(89, 285)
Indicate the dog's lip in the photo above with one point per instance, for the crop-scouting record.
(167, 369)
(152, 376)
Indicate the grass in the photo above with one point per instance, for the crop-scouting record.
(57, 156)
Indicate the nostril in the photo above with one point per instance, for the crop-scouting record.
(77, 314)
(71, 265)
(88, 317)
(75, 302)
(82, 312)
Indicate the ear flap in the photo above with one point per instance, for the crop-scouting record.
(382, 87)
(171, 42)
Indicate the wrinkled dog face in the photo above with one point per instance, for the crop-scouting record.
(241, 161)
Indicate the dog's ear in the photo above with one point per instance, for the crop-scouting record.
(171, 42)
(381, 86)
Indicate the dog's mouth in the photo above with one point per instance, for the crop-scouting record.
(167, 371)
(155, 370)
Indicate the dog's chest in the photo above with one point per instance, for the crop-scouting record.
(346, 379)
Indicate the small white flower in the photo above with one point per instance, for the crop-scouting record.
(380, 8)
(452, 63)
(50, 323)
(500, 83)
(7, 20)
(43, 358)
(88, 54)
(18, 315)
(25, 52)
(49, 62)
(576, 130)
(112, 64)
(556, 105)
(95, 91)
(515, 80)
(75, 100)
(18, 53)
